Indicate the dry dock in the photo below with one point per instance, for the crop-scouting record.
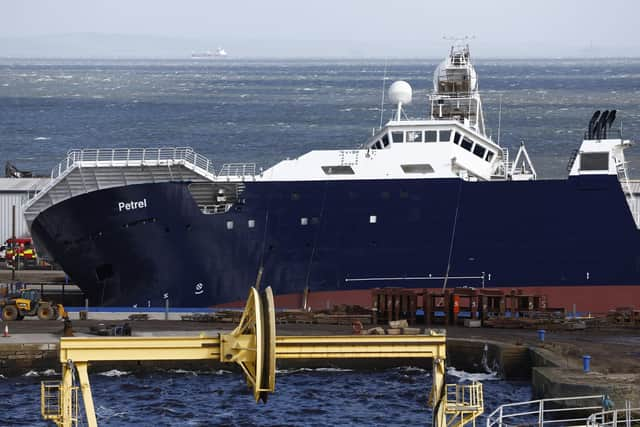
(554, 367)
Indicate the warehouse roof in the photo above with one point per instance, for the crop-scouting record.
(21, 185)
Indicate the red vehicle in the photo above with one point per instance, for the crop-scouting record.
(19, 250)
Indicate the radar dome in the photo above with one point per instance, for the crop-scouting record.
(400, 91)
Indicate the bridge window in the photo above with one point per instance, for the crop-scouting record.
(445, 135)
(479, 151)
(430, 136)
(466, 144)
(385, 140)
(338, 170)
(456, 138)
(490, 155)
(397, 136)
(414, 136)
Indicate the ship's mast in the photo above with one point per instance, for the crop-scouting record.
(455, 90)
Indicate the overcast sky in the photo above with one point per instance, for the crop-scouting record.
(360, 28)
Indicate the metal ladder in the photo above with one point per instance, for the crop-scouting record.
(464, 403)
(505, 165)
(572, 159)
(623, 177)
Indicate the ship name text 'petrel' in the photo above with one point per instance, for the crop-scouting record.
(129, 206)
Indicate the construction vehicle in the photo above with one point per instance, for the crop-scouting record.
(29, 302)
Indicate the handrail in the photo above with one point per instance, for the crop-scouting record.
(555, 409)
(123, 156)
(126, 157)
(237, 169)
(615, 417)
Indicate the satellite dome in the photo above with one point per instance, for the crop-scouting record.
(400, 91)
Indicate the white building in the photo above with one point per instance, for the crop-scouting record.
(15, 192)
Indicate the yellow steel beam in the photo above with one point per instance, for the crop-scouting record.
(81, 349)
(85, 349)
(361, 346)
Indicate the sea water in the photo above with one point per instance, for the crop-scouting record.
(303, 397)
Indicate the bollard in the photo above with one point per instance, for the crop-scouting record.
(586, 363)
(166, 309)
(541, 333)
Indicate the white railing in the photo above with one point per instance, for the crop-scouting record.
(110, 157)
(564, 411)
(616, 417)
(134, 156)
(237, 169)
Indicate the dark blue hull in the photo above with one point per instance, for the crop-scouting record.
(572, 232)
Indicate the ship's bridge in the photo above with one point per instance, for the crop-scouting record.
(403, 149)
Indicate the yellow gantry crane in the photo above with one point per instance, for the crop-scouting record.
(254, 346)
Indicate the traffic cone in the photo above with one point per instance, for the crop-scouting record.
(6, 331)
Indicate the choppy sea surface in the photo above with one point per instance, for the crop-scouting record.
(267, 110)
(303, 397)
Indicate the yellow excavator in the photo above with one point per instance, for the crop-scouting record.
(29, 302)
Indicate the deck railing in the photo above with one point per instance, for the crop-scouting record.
(616, 417)
(110, 157)
(133, 156)
(237, 169)
(562, 411)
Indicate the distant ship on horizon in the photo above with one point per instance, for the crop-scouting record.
(219, 53)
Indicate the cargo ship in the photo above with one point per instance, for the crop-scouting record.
(428, 202)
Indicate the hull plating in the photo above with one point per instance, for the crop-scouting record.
(343, 235)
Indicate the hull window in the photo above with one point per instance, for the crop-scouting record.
(229, 225)
(251, 223)
(456, 138)
(373, 219)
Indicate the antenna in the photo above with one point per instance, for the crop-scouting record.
(458, 40)
(384, 80)
(499, 118)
